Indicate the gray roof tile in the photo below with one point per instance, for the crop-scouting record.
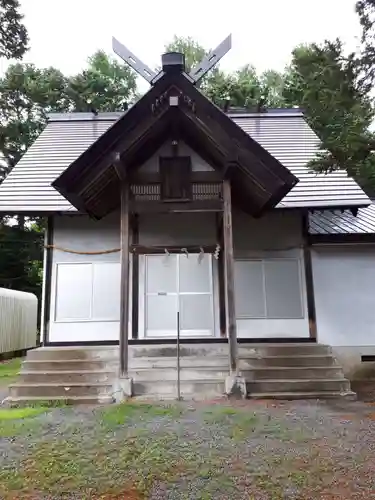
(285, 135)
(338, 222)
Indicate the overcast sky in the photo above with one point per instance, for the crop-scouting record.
(64, 34)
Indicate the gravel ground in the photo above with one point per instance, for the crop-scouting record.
(203, 450)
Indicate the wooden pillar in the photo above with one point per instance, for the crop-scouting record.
(135, 278)
(124, 286)
(229, 278)
(310, 294)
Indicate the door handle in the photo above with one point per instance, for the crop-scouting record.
(162, 293)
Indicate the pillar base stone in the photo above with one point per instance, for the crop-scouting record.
(123, 389)
(235, 387)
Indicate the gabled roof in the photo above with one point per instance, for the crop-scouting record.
(174, 108)
(284, 133)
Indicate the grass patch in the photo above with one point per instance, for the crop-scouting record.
(9, 370)
(17, 421)
(238, 421)
(115, 415)
(7, 414)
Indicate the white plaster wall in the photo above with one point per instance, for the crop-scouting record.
(344, 285)
(82, 234)
(177, 229)
(277, 235)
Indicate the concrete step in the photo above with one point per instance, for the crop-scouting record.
(71, 353)
(66, 377)
(47, 390)
(221, 362)
(294, 385)
(188, 374)
(38, 365)
(245, 363)
(349, 395)
(302, 349)
(189, 389)
(313, 360)
(295, 372)
(244, 349)
(51, 401)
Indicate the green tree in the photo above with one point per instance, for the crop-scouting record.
(106, 85)
(13, 34)
(21, 251)
(366, 59)
(28, 93)
(325, 82)
(244, 88)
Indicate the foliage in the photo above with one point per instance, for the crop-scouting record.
(244, 88)
(366, 61)
(325, 84)
(9, 369)
(105, 85)
(13, 34)
(28, 94)
(21, 251)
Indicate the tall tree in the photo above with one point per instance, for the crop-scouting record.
(28, 93)
(366, 60)
(325, 82)
(13, 34)
(106, 85)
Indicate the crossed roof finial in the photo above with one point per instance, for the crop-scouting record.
(196, 74)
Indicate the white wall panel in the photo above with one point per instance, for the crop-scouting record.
(106, 291)
(271, 291)
(73, 292)
(344, 285)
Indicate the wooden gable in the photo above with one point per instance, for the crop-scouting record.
(174, 107)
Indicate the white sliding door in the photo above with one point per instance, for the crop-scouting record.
(178, 283)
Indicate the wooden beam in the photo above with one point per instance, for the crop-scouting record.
(124, 283)
(157, 249)
(229, 278)
(152, 206)
(154, 177)
(118, 165)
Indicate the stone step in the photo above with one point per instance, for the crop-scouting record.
(305, 395)
(294, 385)
(71, 353)
(47, 390)
(31, 365)
(295, 372)
(66, 377)
(313, 360)
(191, 389)
(56, 401)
